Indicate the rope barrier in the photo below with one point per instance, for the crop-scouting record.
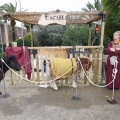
(113, 74)
(115, 71)
(41, 81)
(27, 63)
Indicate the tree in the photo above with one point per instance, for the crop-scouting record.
(50, 35)
(27, 26)
(1, 19)
(89, 6)
(9, 7)
(75, 35)
(113, 18)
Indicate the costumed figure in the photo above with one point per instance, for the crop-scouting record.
(113, 51)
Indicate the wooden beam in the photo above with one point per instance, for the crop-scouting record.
(66, 47)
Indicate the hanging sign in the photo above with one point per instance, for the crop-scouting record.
(53, 18)
(96, 28)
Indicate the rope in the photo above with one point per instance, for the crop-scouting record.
(35, 81)
(26, 64)
(115, 71)
(61, 75)
(113, 74)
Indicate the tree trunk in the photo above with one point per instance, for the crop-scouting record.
(13, 23)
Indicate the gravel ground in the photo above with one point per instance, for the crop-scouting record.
(24, 102)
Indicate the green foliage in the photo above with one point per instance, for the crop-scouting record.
(8, 7)
(64, 94)
(97, 5)
(49, 35)
(27, 26)
(27, 36)
(54, 39)
(26, 40)
(2, 49)
(89, 7)
(76, 35)
(63, 35)
(113, 18)
(20, 42)
(1, 54)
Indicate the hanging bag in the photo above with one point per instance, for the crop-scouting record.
(112, 59)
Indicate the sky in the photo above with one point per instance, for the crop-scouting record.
(49, 5)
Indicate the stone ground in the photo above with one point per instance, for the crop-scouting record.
(24, 102)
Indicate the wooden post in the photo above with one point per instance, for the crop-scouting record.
(91, 68)
(100, 66)
(31, 37)
(6, 30)
(95, 68)
(89, 36)
(42, 67)
(37, 68)
(32, 62)
(102, 33)
(101, 50)
(37, 61)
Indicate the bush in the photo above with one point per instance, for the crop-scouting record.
(2, 51)
(27, 36)
(26, 40)
(50, 35)
(1, 55)
(76, 35)
(20, 42)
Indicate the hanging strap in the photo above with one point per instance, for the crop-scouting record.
(72, 65)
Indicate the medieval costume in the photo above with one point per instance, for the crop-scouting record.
(113, 44)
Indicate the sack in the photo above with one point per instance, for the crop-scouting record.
(112, 59)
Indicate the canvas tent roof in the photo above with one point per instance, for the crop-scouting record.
(72, 17)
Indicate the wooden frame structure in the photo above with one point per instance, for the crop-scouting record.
(72, 18)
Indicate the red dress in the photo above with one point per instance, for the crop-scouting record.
(110, 67)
